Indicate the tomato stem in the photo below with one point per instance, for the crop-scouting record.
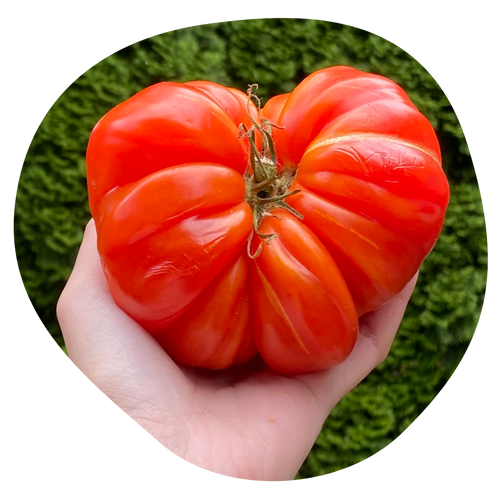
(266, 187)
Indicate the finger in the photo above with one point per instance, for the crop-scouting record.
(378, 328)
(86, 311)
(376, 335)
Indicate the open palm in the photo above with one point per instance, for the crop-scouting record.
(248, 422)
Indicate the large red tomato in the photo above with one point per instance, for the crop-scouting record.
(225, 230)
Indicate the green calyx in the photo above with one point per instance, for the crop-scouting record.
(266, 188)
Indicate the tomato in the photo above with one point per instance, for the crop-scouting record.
(227, 231)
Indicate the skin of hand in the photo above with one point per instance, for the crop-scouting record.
(248, 422)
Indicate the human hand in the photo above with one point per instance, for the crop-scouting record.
(247, 422)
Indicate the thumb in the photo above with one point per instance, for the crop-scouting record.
(101, 339)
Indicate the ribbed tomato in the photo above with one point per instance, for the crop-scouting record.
(225, 230)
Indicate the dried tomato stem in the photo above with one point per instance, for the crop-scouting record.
(266, 188)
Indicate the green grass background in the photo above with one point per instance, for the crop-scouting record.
(52, 209)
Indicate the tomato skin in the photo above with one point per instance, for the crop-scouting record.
(321, 98)
(164, 125)
(156, 278)
(232, 101)
(272, 109)
(174, 216)
(305, 316)
(369, 171)
(216, 331)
